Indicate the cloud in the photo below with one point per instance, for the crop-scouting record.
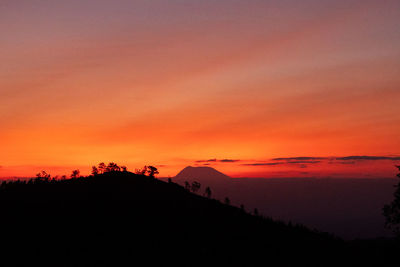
(299, 158)
(218, 160)
(207, 160)
(332, 160)
(262, 164)
(303, 162)
(229, 160)
(342, 162)
(367, 158)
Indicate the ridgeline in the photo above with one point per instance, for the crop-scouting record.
(124, 219)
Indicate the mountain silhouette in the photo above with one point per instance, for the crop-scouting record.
(204, 175)
(123, 219)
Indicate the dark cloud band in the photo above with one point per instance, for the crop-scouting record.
(218, 160)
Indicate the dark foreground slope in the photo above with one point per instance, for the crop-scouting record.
(122, 219)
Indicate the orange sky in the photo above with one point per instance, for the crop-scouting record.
(169, 83)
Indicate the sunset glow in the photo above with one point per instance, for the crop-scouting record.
(230, 84)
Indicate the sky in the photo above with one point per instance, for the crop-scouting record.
(228, 84)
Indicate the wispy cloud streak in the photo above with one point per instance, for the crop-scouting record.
(218, 160)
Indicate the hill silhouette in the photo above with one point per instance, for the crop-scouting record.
(123, 219)
(201, 174)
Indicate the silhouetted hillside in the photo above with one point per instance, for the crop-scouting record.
(124, 219)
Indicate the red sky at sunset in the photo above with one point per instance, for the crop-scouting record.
(177, 83)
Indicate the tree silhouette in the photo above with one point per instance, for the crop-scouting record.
(152, 171)
(227, 201)
(392, 211)
(195, 186)
(207, 192)
(256, 212)
(141, 171)
(187, 186)
(102, 167)
(112, 167)
(43, 176)
(75, 174)
(95, 171)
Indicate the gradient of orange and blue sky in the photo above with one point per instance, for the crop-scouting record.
(185, 82)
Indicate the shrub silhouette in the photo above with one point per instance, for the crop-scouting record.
(256, 212)
(207, 192)
(142, 171)
(187, 186)
(150, 171)
(102, 167)
(392, 211)
(75, 174)
(112, 167)
(95, 171)
(43, 176)
(195, 187)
